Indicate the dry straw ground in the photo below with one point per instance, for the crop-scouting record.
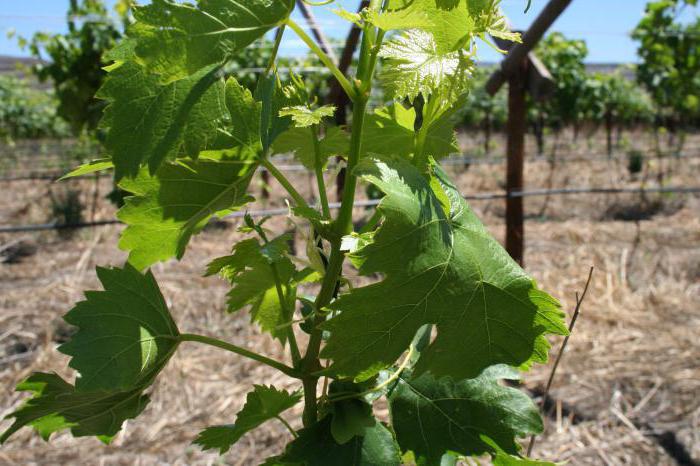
(627, 392)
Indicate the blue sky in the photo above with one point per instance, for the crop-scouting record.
(604, 24)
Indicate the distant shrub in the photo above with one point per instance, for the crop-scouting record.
(635, 162)
(28, 113)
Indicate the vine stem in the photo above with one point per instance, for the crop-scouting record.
(294, 348)
(343, 224)
(286, 424)
(325, 59)
(286, 184)
(318, 169)
(291, 372)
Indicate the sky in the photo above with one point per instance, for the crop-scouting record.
(604, 24)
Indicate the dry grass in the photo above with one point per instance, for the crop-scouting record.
(631, 373)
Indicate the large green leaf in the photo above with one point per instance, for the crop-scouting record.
(391, 131)
(57, 405)
(299, 141)
(250, 270)
(316, 446)
(176, 39)
(125, 337)
(414, 64)
(147, 122)
(177, 202)
(438, 269)
(433, 416)
(450, 22)
(262, 404)
(453, 23)
(125, 333)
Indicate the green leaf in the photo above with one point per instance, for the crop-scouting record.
(245, 114)
(401, 18)
(415, 65)
(57, 405)
(262, 404)
(125, 333)
(450, 22)
(390, 131)
(316, 447)
(89, 168)
(438, 269)
(148, 122)
(300, 142)
(125, 337)
(303, 116)
(178, 201)
(175, 39)
(432, 417)
(250, 270)
(352, 415)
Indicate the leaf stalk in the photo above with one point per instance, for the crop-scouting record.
(325, 59)
(289, 371)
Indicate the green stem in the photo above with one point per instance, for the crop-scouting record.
(293, 346)
(318, 169)
(291, 372)
(325, 59)
(275, 48)
(344, 220)
(298, 198)
(286, 424)
(289, 313)
(419, 156)
(310, 364)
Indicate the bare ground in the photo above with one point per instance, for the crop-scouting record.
(627, 391)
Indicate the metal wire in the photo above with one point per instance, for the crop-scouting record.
(371, 203)
(452, 161)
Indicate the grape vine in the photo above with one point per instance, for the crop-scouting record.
(451, 317)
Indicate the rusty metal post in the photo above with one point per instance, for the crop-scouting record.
(516, 127)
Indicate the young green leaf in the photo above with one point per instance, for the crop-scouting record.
(434, 416)
(303, 116)
(125, 333)
(438, 269)
(175, 40)
(250, 271)
(177, 202)
(57, 405)
(245, 115)
(94, 166)
(317, 447)
(300, 142)
(390, 131)
(262, 404)
(352, 415)
(148, 122)
(414, 64)
(450, 22)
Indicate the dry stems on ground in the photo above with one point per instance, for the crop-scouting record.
(630, 376)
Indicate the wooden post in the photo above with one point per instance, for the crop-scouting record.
(517, 114)
(524, 73)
